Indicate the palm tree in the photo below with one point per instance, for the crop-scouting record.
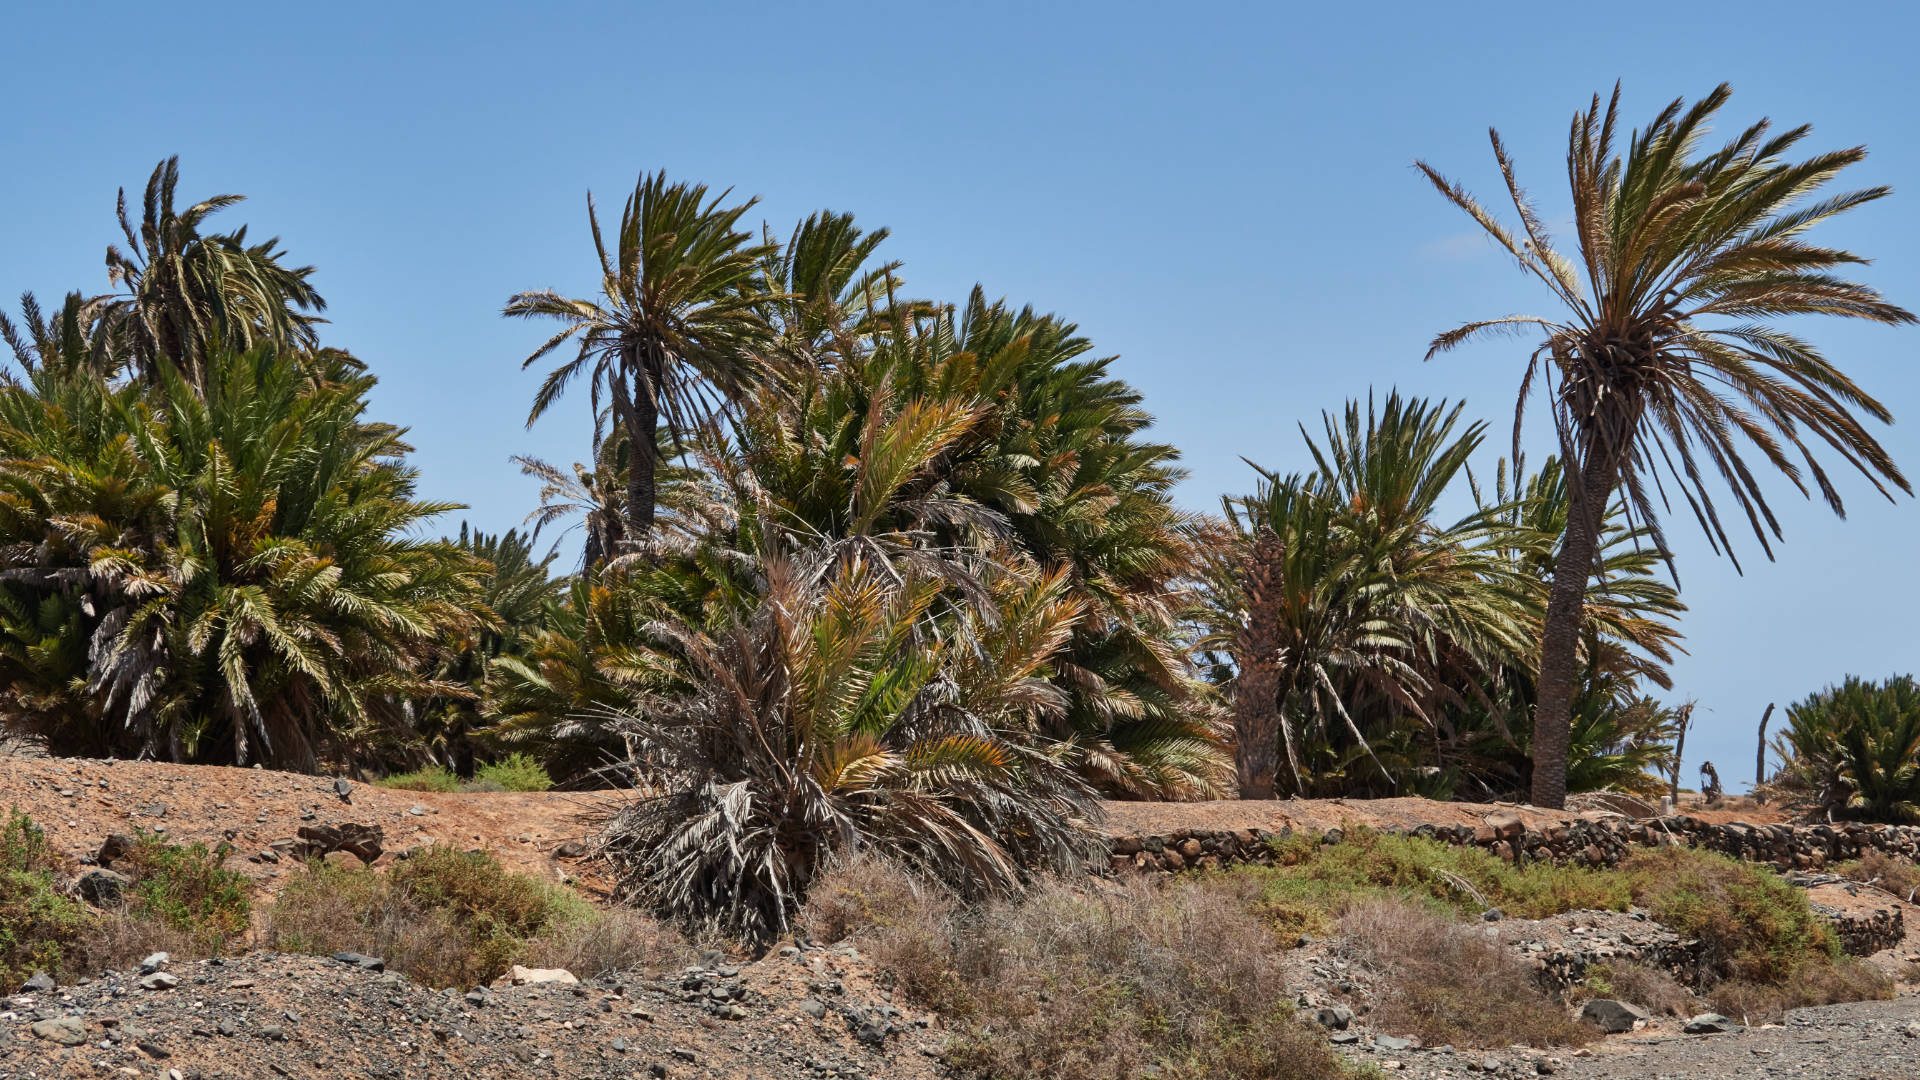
(1663, 360)
(672, 336)
(239, 560)
(825, 722)
(1341, 591)
(188, 294)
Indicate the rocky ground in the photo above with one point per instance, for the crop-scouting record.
(801, 1014)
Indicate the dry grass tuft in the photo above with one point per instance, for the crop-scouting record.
(116, 940)
(1654, 990)
(1450, 982)
(866, 892)
(1174, 979)
(1894, 874)
(451, 918)
(1846, 979)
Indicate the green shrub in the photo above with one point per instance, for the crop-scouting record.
(431, 778)
(452, 918)
(37, 924)
(1853, 750)
(515, 772)
(1313, 882)
(1756, 926)
(185, 887)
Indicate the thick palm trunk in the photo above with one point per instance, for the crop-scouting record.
(1256, 693)
(641, 415)
(1560, 637)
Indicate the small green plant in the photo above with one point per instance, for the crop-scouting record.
(37, 924)
(515, 772)
(185, 887)
(431, 778)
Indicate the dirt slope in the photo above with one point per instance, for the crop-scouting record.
(80, 802)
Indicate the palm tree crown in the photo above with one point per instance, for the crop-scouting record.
(674, 332)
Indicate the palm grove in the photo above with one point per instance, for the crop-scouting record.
(865, 568)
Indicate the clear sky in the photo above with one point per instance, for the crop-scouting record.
(1220, 194)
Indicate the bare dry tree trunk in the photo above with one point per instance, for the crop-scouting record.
(1256, 688)
(1760, 758)
(1679, 751)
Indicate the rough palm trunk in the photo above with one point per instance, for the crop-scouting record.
(1560, 636)
(642, 416)
(1256, 694)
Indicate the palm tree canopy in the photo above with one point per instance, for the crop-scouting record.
(1663, 361)
(680, 286)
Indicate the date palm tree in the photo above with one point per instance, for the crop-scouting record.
(673, 334)
(1663, 359)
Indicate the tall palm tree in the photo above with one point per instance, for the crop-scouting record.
(1663, 359)
(673, 334)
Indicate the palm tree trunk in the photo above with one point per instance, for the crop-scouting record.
(1256, 689)
(641, 414)
(1560, 636)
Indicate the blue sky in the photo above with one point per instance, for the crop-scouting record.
(1220, 194)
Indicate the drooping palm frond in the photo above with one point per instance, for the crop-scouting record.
(188, 294)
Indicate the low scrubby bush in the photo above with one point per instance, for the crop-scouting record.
(1650, 988)
(1449, 982)
(431, 778)
(515, 772)
(1081, 983)
(37, 923)
(1313, 882)
(1766, 947)
(185, 888)
(1889, 872)
(1755, 925)
(453, 918)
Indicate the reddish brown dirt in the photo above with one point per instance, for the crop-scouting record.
(251, 808)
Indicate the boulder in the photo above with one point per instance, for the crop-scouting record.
(1708, 1024)
(65, 1030)
(101, 887)
(39, 984)
(526, 976)
(361, 841)
(361, 961)
(1506, 824)
(1612, 1017)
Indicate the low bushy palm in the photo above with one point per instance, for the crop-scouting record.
(232, 561)
(846, 712)
(1853, 750)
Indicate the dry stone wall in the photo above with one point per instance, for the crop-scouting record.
(1579, 841)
